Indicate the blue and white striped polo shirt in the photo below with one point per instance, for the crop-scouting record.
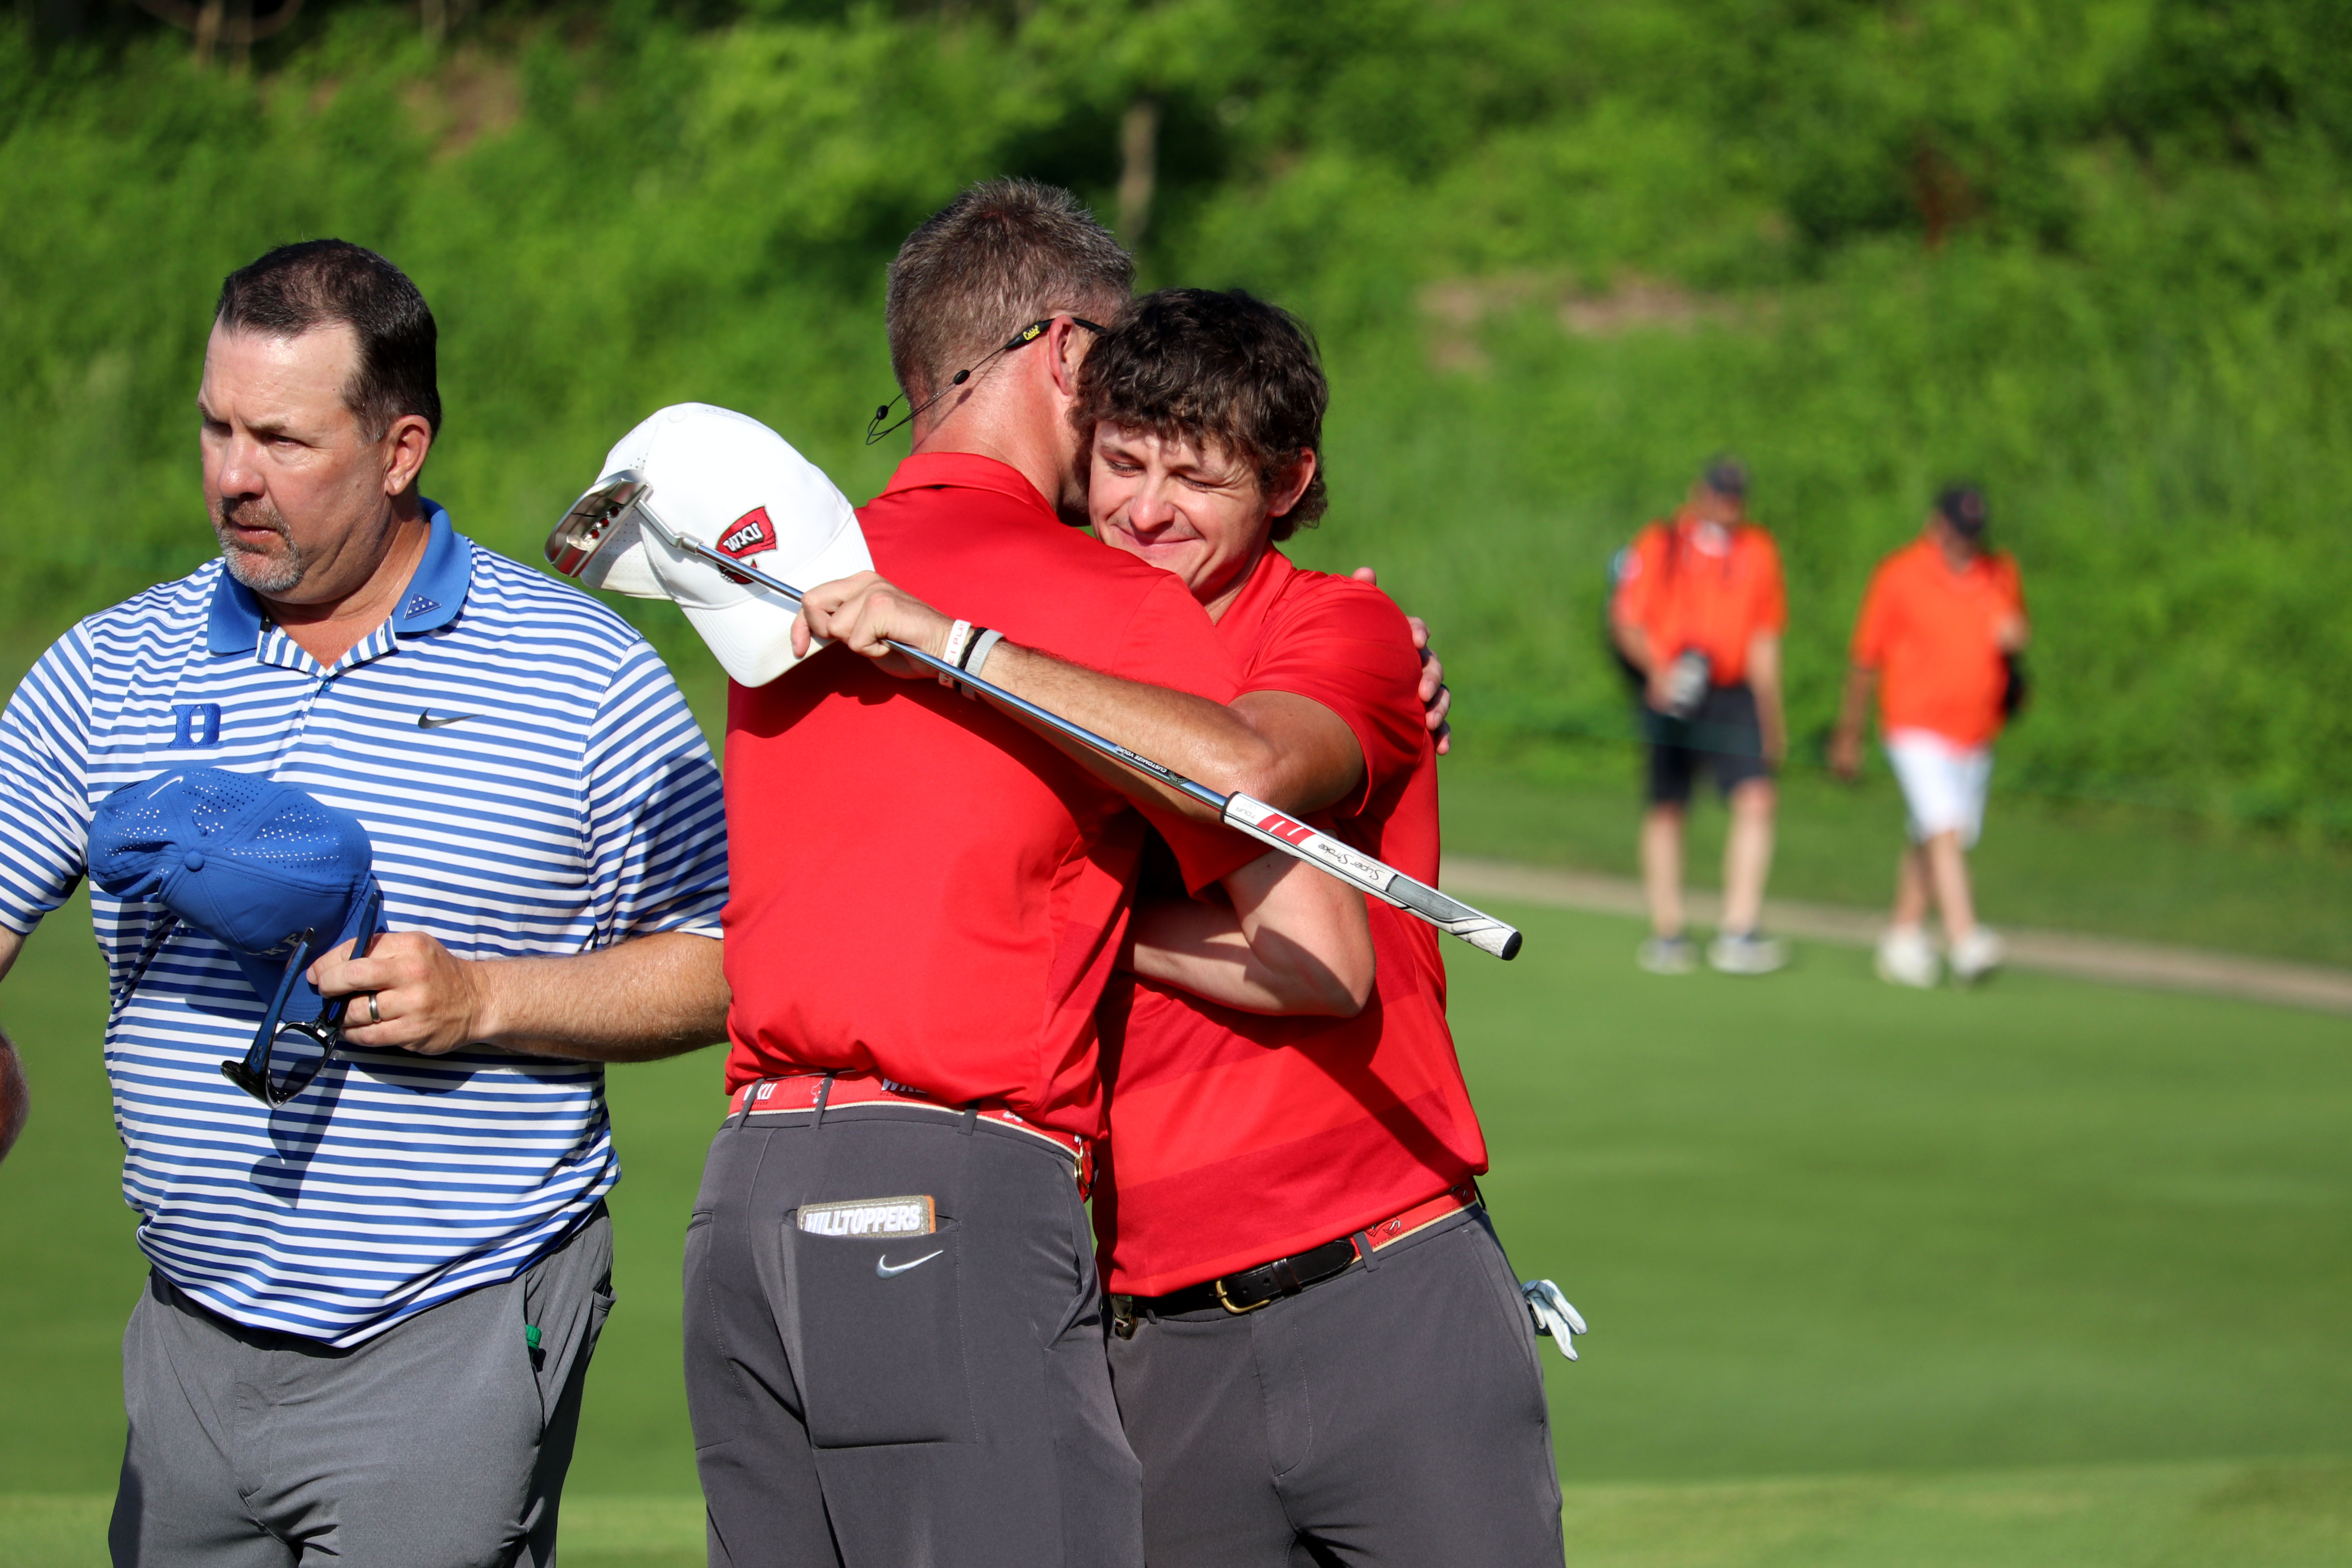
(533, 783)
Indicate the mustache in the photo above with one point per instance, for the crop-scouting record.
(251, 511)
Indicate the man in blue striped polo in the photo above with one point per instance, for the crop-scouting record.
(372, 1307)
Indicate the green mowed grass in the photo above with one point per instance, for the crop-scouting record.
(2295, 1515)
(2049, 1273)
(2078, 866)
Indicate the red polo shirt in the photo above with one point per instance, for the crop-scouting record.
(1933, 634)
(919, 885)
(1693, 584)
(1236, 1138)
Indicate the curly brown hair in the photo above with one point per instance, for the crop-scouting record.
(1210, 368)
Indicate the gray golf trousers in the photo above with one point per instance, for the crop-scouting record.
(906, 1401)
(1392, 1417)
(440, 1442)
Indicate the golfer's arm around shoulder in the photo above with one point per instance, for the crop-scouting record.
(1219, 745)
(1242, 747)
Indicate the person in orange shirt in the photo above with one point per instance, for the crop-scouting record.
(1940, 631)
(1698, 611)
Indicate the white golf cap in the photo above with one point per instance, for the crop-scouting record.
(728, 481)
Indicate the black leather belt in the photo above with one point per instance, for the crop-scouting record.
(1254, 1287)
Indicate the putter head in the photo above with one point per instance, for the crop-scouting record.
(601, 541)
(1554, 1314)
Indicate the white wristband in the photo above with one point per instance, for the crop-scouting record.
(979, 655)
(959, 633)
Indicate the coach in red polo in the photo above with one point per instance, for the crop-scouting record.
(894, 1339)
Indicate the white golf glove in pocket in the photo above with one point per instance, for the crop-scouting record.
(1553, 1314)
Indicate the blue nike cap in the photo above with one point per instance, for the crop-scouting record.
(249, 862)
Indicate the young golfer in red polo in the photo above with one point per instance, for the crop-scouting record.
(1318, 1346)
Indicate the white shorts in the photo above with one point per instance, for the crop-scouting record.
(1943, 783)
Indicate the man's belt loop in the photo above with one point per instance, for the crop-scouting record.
(824, 1093)
(971, 1118)
(750, 1103)
(1363, 1240)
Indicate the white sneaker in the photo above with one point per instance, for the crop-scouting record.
(1746, 953)
(1668, 955)
(1975, 956)
(1906, 957)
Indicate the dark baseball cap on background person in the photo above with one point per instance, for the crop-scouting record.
(249, 862)
(1727, 475)
(1963, 506)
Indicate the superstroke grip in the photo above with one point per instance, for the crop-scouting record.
(1381, 881)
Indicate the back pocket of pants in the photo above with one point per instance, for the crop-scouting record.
(878, 1337)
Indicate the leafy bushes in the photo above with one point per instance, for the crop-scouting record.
(2093, 255)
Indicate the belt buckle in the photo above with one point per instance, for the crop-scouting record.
(1227, 1302)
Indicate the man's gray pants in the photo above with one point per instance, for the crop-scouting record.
(908, 1401)
(1392, 1416)
(440, 1442)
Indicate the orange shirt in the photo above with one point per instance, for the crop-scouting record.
(1693, 584)
(1933, 634)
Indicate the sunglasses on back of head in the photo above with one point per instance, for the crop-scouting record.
(1021, 339)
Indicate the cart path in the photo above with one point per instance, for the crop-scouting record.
(2098, 958)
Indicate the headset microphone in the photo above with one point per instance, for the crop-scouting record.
(1028, 334)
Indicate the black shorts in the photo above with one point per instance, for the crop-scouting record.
(1725, 733)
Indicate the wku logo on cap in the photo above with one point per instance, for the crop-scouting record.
(1282, 827)
(749, 534)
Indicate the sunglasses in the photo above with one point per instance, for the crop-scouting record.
(1021, 339)
(307, 1045)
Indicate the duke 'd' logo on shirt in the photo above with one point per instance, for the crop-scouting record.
(915, 1215)
(749, 534)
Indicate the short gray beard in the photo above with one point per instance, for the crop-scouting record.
(272, 574)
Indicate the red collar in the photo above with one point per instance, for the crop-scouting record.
(1246, 615)
(967, 471)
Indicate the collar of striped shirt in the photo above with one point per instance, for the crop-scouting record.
(435, 593)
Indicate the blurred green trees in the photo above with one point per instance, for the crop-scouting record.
(2091, 254)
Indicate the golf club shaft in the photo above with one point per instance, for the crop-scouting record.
(1253, 817)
